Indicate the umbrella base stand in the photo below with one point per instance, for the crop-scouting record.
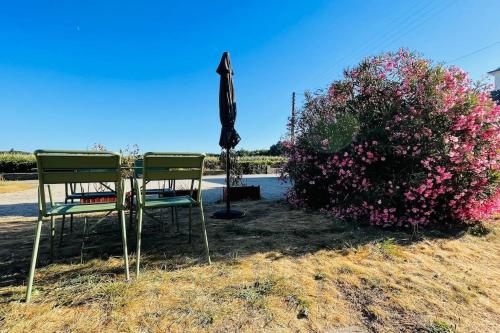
(225, 214)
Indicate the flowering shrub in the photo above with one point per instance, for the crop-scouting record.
(398, 141)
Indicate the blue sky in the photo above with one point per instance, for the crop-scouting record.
(75, 73)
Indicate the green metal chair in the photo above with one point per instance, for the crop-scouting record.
(61, 167)
(170, 167)
(162, 190)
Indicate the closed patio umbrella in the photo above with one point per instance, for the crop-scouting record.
(229, 138)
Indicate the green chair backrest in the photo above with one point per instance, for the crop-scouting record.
(61, 167)
(138, 165)
(173, 166)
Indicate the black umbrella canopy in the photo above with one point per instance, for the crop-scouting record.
(229, 138)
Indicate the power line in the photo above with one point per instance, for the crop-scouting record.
(418, 23)
(391, 28)
(413, 25)
(473, 52)
(402, 23)
(459, 58)
(403, 27)
(400, 28)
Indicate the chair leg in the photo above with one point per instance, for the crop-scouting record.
(131, 211)
(190, 222)
(138, 242)
(205, 238)
(124, 241)
(62, 225)
(131, 203)
(83, 239)
(52, 236)
(34, 256)
(62, 230)
(71, 220)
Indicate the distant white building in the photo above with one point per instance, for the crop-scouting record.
(495, 94)
(496, 74)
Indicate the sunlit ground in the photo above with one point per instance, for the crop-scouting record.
(14, 186)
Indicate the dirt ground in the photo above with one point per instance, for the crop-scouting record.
(276, 270)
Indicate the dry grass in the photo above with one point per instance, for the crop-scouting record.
(277, 270)
(14, 186)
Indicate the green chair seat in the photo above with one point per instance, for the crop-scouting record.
(81, 208)
(178, 201)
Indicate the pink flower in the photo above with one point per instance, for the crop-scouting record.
(443, 146)
(409, 196)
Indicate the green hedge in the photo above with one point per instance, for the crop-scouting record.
(249, 164)
(18, 162)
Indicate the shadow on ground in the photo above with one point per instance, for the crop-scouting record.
(28, 209)
(269, 226)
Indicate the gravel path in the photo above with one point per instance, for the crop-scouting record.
(24, 203)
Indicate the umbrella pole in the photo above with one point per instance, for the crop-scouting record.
(228, 183)
(227, 213)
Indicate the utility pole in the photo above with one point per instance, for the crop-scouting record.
(292, 120)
